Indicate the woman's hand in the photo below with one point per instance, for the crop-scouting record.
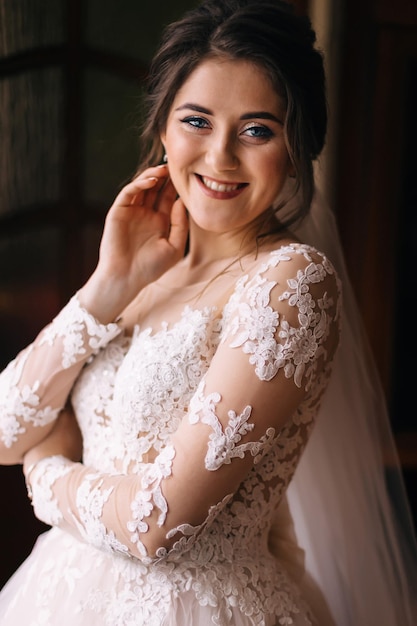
(144, 235)
(64, 439)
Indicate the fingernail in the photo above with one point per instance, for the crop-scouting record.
(154, 178)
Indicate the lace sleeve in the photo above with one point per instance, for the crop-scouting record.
(280, 334)
(34, 386)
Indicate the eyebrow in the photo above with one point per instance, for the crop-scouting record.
(262, 115)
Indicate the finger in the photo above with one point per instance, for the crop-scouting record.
(134, 190)
(179, 226)
(158, 171)
(155, 196)
(149, 195)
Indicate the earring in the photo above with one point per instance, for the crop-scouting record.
(165, 159)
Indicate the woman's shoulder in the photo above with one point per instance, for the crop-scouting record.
(292, 272)
(289, 256)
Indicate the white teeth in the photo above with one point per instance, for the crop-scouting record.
(211, 184)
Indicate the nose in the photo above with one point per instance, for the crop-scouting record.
(221, 154)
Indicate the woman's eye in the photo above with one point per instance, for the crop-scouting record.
(258, 132)
(196, 121)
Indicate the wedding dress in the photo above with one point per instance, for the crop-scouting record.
(179, 426)
(345, 544)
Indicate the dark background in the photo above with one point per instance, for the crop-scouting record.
(70, 102)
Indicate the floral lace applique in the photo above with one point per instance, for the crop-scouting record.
(75, 326)
(21, 402)
(150, 496)
(254, 322)
(90, 501)
(45, 503)
(20, 405)
(224, 444)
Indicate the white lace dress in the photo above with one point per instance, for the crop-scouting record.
(193, 426)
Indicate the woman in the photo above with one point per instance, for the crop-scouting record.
(189, 384)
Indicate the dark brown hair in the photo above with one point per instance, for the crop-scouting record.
(263, 32)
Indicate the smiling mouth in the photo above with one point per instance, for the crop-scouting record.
(222, 187)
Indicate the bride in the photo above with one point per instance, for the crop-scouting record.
(200, 425)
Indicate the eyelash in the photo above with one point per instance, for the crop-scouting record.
(196, 122)
(265, 132)
(200, 123)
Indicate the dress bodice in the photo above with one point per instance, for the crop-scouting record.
(133, 395)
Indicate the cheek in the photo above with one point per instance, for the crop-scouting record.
(179, 171)
(180, 145)
(182, 156)
(274, 168)
(274, 173)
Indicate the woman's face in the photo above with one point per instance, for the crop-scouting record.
(225, 143)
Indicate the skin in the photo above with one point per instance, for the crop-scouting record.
(228, 161)
(225, 128)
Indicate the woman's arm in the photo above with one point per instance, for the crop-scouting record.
(34, 387)
(145, 234)
(278, 345)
